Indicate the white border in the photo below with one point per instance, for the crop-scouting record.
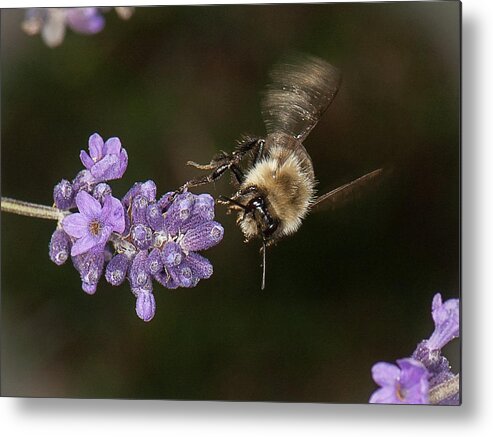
(136, 418)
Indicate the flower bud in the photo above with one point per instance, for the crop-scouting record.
(155, 217)
(171, 254)
(83, 181)
(139, 210)
(63, 195)
(154, 263)
(202, 237)
(117, 268)
(165, 279)
(59, 247)
(201, 267)
(148, 190)
(145, 306)
(138, 276)
(90, 266)
(165, 201)
(100, 191)
(179, 212)
(141, 236)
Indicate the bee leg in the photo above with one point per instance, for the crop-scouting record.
(237, 173)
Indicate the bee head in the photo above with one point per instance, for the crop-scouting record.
(254, 217)
(266, 224)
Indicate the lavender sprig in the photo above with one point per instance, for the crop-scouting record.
(425, 378)
(52, 22)
(139, 238)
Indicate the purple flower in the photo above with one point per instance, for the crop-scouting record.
(406, 384)
(92, 225)
(106, 160)
(446, 318)
(85, 20)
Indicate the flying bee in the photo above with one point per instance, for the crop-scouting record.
(273, 176)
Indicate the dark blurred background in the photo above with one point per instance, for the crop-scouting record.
(352, 287)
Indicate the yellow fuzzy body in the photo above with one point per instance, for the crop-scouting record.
(284, 176)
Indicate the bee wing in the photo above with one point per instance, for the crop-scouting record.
(300, 92)
(346, 192)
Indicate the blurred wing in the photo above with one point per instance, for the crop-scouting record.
(300, 92)
(346, 192)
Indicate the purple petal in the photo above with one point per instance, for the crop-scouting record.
(447, 322)
(76, 225)
(88, 205)
(385, 373)
(113, 146)
(112, 214)
(418, 393)
(103, 236)
(412, 372)
(123, 163)
(107, 168)
(385, 395)
(86, 159)
(84, 244)
(96, 144)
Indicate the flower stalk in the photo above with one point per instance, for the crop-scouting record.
(445, 390)
(29, 209)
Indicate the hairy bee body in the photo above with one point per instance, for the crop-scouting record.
(284, 177)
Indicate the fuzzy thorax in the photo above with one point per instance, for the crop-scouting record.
(288, 188)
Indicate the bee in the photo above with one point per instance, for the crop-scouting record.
(273, 176)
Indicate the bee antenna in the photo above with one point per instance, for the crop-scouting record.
(263, 265)
(234, 202)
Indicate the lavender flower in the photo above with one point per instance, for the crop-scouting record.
(427, 369)
(150, 239)
(93, 225)
(106, 160)
(446, 318)
(52, 22)
(85, 20)
(406, 384)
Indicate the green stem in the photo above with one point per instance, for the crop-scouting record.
(32, 209)
(445, 390)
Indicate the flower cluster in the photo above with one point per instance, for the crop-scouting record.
(411, 381)
(52, 22)
(140, 237)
